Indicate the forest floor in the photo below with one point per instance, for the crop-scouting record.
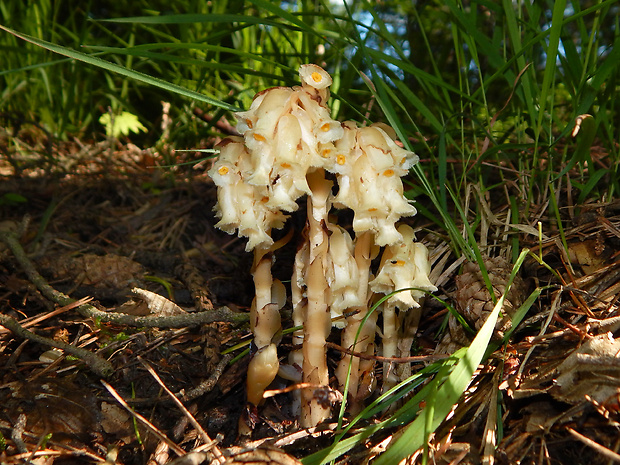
(101, 220)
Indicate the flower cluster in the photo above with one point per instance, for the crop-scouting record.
(288, 132)
(289, 142)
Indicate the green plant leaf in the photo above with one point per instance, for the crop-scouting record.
(123, 123)
(12, 199)
(552, 53)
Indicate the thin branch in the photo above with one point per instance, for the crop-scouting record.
(208, 384)
(203, 434)
(221, 314)
(27, 322)
(180, 452)
(379, 358)
(604, 451)
(97, 364)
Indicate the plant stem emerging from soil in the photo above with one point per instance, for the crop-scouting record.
(318, 320)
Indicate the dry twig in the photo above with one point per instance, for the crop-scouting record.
(10, 238)
(97, 364)
(219, 457)
(604, 451)
(208, 384)
(180, 452)
(379, 358)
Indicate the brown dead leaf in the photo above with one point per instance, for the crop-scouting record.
(591, 254)
(115, 420)
(54, 405)
(593, 370)
(158, 304)
(109, 271)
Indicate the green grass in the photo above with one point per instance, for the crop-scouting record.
(487, 93)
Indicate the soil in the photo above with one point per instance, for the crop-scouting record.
(99, 220)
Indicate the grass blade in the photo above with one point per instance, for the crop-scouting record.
(416, 434)
(550, 67)
(138, 76)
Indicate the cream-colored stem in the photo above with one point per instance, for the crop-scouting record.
(317, 324)
(367, 381)
(389, 344)
(408, 323)
(265, 324)
(299, 301)
(263, 282)
(362, 258)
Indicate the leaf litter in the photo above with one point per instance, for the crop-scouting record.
(111, 225)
